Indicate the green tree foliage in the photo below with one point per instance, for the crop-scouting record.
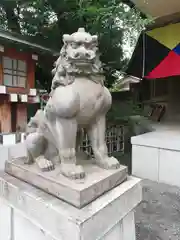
(47, 20)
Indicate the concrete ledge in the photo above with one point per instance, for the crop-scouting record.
(98, 220)
(156, 157)
(165, 140)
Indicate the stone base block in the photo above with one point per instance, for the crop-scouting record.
(34, 214)
(156, 157)
(78, 193)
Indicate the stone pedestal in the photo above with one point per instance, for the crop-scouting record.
(78, 192)
(29, 213)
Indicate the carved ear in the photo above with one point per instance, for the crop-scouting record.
(54, 64)
(53, 71)
(94, 38)
(66, 38)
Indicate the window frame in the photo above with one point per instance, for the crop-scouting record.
(18, 72)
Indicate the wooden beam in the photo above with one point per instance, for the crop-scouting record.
(165, 20)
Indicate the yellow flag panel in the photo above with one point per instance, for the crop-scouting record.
(169, 35)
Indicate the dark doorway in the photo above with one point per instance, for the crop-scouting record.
(13, 116)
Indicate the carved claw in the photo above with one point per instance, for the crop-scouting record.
(44, 164)
(72, 171)
(108, 163)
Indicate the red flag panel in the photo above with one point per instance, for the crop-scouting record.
(170, 66)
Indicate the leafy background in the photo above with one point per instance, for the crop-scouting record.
(116, 22)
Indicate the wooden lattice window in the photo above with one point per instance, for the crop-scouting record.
(14, 72)
(114, 140)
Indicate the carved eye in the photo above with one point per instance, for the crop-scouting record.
(88, 45)
(75, 44)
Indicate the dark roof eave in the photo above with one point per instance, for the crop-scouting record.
(12, 38)
(163, 21)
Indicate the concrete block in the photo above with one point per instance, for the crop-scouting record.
(5, 221)
(115, 233)
(25, 229)
(169, 166)
(101, 219)
(24, 97)
(13, 97)
(4, 156)
(18, 150)
(128, 227)
(9, 139)
(32, 92)
(145, 162)
(2, 89)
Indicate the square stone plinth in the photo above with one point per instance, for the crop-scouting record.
(31, 213)
(76, 192)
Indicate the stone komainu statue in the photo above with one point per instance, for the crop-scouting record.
(79, 100)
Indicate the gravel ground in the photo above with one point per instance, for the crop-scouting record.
(158, 215)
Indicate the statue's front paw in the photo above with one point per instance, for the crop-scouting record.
(108, 163)
(44, 164)
(72, 171)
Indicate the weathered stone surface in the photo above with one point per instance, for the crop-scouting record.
(78, 101)
(76, 192)
(108, 217)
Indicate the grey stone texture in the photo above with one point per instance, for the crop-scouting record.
(110, 216)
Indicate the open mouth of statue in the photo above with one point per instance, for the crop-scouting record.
(82, 61)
